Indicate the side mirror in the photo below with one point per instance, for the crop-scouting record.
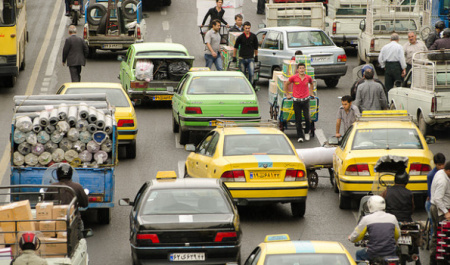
(398, 83)
(333, 140)
(362, 25)
(87, 233)
(170, 89)
(430, 139)
(189, 147)
(125, 202)
(120, 58)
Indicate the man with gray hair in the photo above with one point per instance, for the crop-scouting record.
(411, 48)
(392, 58)
(75, 52)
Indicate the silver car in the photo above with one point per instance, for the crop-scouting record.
(280, 43)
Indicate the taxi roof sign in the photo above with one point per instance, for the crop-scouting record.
(279, 237)
(199, 69)
(395, 115)
(166, 175)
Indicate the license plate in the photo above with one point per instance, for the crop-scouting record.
(76, 8)
(162, 97)
(112, 46)
(321, 59)
(187, 256)
(265, 175)
(404, 240)
(213, 123)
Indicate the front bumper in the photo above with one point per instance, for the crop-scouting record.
(9, 70)
(326, 71)
(206, 123)
(244, 192)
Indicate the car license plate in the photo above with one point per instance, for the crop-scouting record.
(162, 97)
(321, 59)
(404, 240)
(265, 175)
(187, 256)
(213, 123)
(112, 46)
(75, 7)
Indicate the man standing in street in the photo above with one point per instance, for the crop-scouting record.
(301, 91)
(443, 43)
(355, 85)
(237, 24)
(392, 58)
(370, 94)
(411, 48)
(439, 161)
(440, 205)
(261, 7)
(347, 114)
(433, 36)
(75, 52)
(247, 43)
(212, 41)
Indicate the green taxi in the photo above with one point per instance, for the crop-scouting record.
(203, 97)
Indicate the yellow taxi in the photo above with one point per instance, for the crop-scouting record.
(124, 113)
(279, 249)
(258, 164)
(375, 134)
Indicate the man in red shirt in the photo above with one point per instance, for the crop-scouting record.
(301, 91)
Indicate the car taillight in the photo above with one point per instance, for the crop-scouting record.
(372, 45)
(125, 123)
(334, 27)
(147, 238)
(95, 198)
(193, 110)
(225, 236)
(358, 170)
(433, 104)
(342, 58)
(233, 176)
(294, 175)
(138, 84)
(417, 169)
(293, 58)
(138, 32)
(250, 110)
(85, 33)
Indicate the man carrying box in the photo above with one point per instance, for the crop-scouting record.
(247, 43)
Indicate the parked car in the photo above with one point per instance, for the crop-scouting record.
(281, 43)
(344, 29)
(176, 220)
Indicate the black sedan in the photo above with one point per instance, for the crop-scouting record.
(184, 221)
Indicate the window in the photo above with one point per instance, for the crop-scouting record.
(139, 195)
(308, 39)
(261, 36)
(345, 138)
(395, 138)
(201, 149)
(254, 257)
(216, 85)
(351, 12)
(271, 41)
(181, 85)
(115, 96)
(129, 55)
(387, 26)
(7, 13)
(212, 146)
(161, 53)
(256, 144)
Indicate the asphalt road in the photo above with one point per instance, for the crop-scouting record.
(158, 147)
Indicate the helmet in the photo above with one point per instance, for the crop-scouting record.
(401, 178)
(64, 171)
(365, 68)
(376, 203)
(440, 25)
(446, 33)
(29, 240)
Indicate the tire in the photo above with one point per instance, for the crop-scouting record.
(10, 81)
(22, 65)
(102, 26)
(184, 136)
(298, 209)
(167, 2)
(281, 126)
(131, 150)
(175, 126)
(313, 180)
(335, 186)
(104, 215)
(331, 82)
(92, 51)
(101, 9)
(75, 18)
(360, 61)
(424, 128)
(344, 202)
(127, 14)
(186, 175)
(276, 68)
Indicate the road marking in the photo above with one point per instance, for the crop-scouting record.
(254, 1)
(321, 136)
(168, 39)
(165, 25)
(163, 12)
(5, 161)
(177, 142)
(57, 43)
(181, 169)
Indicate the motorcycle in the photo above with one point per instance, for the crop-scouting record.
(387, 260)
(408, 247)
(75, 11)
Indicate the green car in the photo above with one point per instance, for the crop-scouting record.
(204, 97)
(145, 71)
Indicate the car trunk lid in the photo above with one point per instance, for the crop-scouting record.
(224, 105)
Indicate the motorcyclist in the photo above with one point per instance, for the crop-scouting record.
(383, 230)
(358, 82)
(436, 34)
(29, 243)
(399, 199)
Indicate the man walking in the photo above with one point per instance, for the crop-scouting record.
(443, 43)
(301, 91)
(261, 7)
(439, 162)
(370, 94)
(247, 43)
(212, 41)
(75, 52)
(355, 85)
(237, 24)
(392, 58)
(411, 48)
(347, 114)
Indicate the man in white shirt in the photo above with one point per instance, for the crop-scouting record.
(411, 48)
(440, 204)
(392, 58)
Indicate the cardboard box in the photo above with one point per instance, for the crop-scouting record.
(61, 234)
(61, 224)
(61, 211)
(48, 228)
(289, 68)
(53, 247)
(44, 211)
(281, 79)
(273, 87)
(232, 36)
(16, 211)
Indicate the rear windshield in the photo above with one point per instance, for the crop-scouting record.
(7, 14)
(351, 12)
(256, 144)
(161, 53)
(306, 258)
(115, 96)
(403, 25)
(386, 139)
(308, 39)
(219, 85)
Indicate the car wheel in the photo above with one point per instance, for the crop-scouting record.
(104, 215)
(331, 82)
(184, 136)
(92, 51)
(281, 126)
(298, 209)
(335, 186)
(276, 68)
(423, 126)
(10, 81)
(313, 180)
(22, 65)
(131, 150)
(392, 106)
(344, 201)
(175, 126)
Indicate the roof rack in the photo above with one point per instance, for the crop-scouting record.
(383, 115)
(247, 123)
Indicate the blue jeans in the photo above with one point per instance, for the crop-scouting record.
(362, 254)
(247, 65)
(217, 61)
(427, 208)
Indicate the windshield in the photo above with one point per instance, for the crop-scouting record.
(160, 53)
(256, 144)
(7, 12)
(405, 25)
(115, 96)
(308, 39)
(350, 12)
(306, 259)
(185, 201)
(386, 139)
(209, 85)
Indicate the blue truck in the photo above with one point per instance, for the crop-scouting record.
(98, 178)
(440, 11)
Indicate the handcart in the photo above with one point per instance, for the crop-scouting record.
(315, 159)
(223, 34)
(234, 66)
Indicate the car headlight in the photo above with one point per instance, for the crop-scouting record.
(2, 60)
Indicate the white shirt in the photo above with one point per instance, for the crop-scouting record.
(392, 52)
(440, 192)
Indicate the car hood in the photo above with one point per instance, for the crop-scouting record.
(194, 221)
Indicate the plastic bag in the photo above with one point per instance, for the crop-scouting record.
(19, 137)
(58, 155)
(38, 149)
(73, 134)
(107, 146)
(56, 137)
(31, 159)
(93, 147)
(100, 157)
(85, 156)
(50, 147)
(24, 148)
(43, 137)
(144, 70)
(24, 124)
(177, 70)
(70, 155)
(31, 138)
(82, 125)
(79, 146)
(45, 158)
(65, 144)
(85, 137)
(62, 126)
(18, 159)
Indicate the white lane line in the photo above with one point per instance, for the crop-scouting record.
(177, 142)
(5, 161)
(44, 87)
(57, 42)
(181, 169)
(321, 136)
(168, 39)
(165, 25)
(163, 12)
(254, 1)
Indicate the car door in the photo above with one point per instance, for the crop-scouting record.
(176, 99)
(271, 46)
(134, 226)
(195, 163)
(126, 68)
(209, 158)
(340, 153)
(399, 95)
(263, 55)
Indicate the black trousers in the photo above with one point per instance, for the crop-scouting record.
(393, 72)
(75, 73)
(261, 6)
(302, 107)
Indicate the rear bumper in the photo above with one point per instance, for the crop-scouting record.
(149, 94)
(244, 193)
(347, 39)
(204, 123)
(9, 70)
(126, 136)
(325, 71)
(98, 42)
(441, 117)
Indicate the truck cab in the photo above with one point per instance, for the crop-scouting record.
(344, 29)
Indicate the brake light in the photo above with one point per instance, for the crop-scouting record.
(372, 45)
(342, 58)
(225, 236)
(233, 176)
(138, 84)
(85, 33)
(148, 238)
(334, 27)
(417, 169)
(125, 123)
(358, 170)
(138, 32)
(294, 175)
(293, 58)
(250, 110)
(193, 110)
(433, 104)
(95, 198)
